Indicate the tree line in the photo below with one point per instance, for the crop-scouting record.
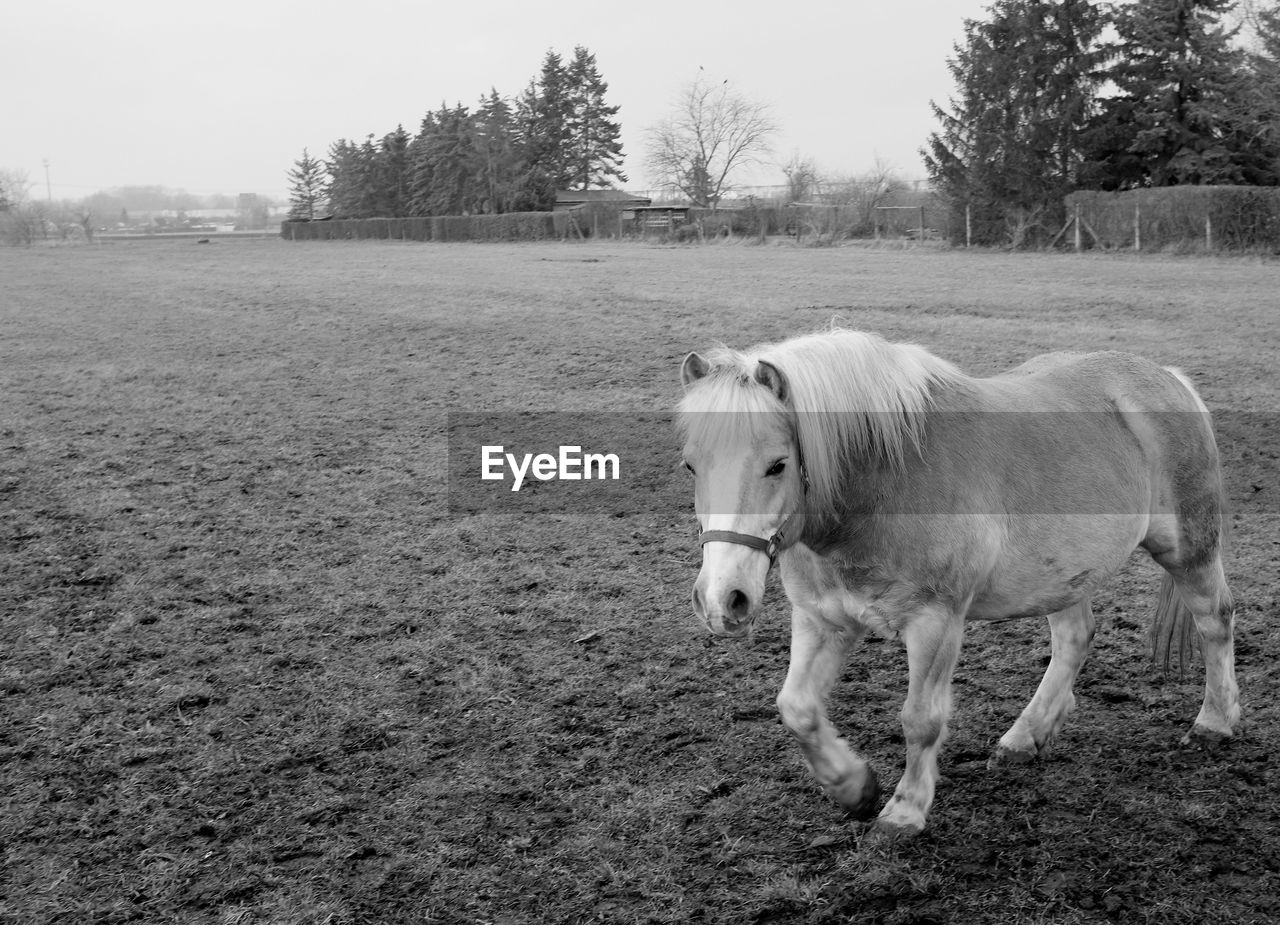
(1053, 97)
(503, 155)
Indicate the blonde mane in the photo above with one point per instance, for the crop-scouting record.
(850, 397)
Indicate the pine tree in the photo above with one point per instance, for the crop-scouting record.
(1182, 111)
(345, 168)
(368, 196)
(594, 137)
(1010, 144)
(354, 179)
(507, 155)
(1266, 60)
(446, 166)
(420, 167)
(391, 172)
(543, 135)
(306, 191)
(1264, 65)
(497, 179)
(524, 138)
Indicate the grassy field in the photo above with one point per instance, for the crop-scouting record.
(254, 670)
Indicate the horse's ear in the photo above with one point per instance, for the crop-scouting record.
(772, 379)
(692, 369)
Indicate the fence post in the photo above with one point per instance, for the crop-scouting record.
(1137, 224)
(922, 224)
(1076, 220)
(1208, 233)
(968, 224)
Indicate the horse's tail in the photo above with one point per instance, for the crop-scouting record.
(1224, 508)
(1173, 630)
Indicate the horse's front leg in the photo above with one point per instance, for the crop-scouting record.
(932, 638)
(817, 655)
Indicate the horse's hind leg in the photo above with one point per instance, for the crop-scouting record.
(1072, 635)
(1202, 593)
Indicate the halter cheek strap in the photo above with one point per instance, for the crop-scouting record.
(770, 547)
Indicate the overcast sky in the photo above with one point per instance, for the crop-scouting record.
(221, 96)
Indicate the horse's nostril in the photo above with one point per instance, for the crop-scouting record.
(739, 605)
(697, 601)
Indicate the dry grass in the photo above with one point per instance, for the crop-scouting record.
(254, 671)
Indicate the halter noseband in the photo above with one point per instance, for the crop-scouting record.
(770, 547)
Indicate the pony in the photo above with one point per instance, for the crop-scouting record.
(901, 496)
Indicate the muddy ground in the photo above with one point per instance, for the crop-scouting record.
(255, 668)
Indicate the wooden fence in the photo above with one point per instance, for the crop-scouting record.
(1178, 217)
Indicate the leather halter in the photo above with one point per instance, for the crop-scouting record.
(770, 547)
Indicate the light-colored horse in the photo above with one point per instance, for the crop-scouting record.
(903, 497)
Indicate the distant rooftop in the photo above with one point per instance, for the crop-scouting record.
(568, 198)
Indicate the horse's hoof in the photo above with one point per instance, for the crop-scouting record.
(857, 800)
(1206, 737)
(1009, 757)
(886, 832)
(898, 821)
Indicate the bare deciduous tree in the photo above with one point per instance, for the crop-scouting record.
(15, 188)
(20, 219)
(712, 132)
(859, 196)
(803, 179)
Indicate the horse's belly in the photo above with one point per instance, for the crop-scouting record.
(1058, 568)
(1043, 601)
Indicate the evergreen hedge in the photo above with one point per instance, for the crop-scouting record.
(510, 226)
(754, 220)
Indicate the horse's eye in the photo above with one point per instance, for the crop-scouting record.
(776, 468)
(690, 468)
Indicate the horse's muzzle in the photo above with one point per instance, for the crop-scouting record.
(731, 613)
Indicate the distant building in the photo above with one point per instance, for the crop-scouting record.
(568, 200)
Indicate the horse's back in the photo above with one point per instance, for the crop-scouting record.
(1158, 409)
(1069, 433)
(1081, 457)
(1091, 381)
(1135, 403)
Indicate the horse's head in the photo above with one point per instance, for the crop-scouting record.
(749, 483)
